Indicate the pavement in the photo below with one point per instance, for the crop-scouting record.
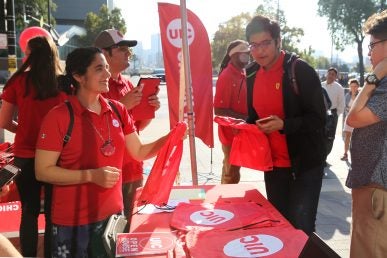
(334, 210)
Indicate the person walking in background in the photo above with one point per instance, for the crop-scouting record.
(117, 52)
(30, 93)
(349, 98)
(86, 172)
(230, 100)
(293, 120)
(336, 95)
(367, 174)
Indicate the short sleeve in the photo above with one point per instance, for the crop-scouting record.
(378, 101)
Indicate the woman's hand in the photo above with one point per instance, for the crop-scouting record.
(106, 177)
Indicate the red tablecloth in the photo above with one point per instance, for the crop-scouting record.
(160, 222)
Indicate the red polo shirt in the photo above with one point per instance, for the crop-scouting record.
(132, 169)
(268, 100)
(230, 94)
(85, 203)
(30, 114)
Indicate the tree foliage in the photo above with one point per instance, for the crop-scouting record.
(345, 22)
(235, 29)
(105, 19)
(39, 9)
(227, 32)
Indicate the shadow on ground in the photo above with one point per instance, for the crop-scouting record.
(334, 211)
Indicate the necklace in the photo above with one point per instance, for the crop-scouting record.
(107, 148)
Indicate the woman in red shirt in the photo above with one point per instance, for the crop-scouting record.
(86, 172)
(30, 93)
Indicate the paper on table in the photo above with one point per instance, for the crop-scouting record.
(152, 209)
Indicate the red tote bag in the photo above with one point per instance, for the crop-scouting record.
(250, 147)
(160, 181)
(273, 242)
(222, 216)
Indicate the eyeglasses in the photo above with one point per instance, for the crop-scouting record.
(372, 44)
(121, 48)
(262, 45)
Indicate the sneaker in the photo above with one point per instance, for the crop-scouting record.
(344, 157)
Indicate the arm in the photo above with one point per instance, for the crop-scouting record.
(46, 170)
(7, 112)
(341, 101)
(360, 115)
(141, 151)
(132, 98)
(7, 249)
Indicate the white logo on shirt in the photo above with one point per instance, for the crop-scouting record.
(115, 123)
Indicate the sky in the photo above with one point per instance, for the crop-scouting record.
(141, 18)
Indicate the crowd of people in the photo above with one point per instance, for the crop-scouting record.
(76, 139)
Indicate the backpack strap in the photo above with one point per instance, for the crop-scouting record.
(292, 74)
(114, 107)
(67, 137)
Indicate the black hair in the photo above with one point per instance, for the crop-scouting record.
(77, 62)
(261, 23)
(376, 25)
(43, 67)
(333, 69)
(226, 59)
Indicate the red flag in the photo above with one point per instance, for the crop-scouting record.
(200, 63)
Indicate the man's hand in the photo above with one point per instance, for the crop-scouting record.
(270, 124)
(4, 190)
(106, 177)
(132, 98)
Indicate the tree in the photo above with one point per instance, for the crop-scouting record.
(227, 32)
(38, 9)
(235, 29)
(346, 18)
(105, 19)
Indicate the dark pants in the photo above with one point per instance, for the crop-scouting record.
(296, 198)
(331, 127)
(128, 195)
(79, 241)
(30, 196)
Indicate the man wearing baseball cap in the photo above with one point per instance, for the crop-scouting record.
(230, 100)
(117, 52)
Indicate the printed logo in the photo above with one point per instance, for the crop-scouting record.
(115, 123)
(211, 217)
(253, 246)
(175, 33)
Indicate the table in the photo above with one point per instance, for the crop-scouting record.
(160, 222)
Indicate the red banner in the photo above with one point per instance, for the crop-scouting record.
(200, 64)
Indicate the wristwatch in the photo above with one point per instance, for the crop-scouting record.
(372, 79)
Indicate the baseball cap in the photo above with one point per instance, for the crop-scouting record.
(110, 37)
(242, 47)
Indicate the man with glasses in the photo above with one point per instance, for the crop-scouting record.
(117, 52)
(368, 174)
(293, 120)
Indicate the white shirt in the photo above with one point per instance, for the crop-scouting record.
(336, 94)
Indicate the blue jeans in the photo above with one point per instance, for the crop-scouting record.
(30, 197)
(295, 197)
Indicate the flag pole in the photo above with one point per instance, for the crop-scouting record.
(188, 90)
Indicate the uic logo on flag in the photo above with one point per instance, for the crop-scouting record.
(211, 217)
(175, 33)
(253, 246)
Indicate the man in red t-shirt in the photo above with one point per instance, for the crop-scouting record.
(117, 53)
(230, 100)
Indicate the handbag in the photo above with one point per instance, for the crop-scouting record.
(116, 224)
